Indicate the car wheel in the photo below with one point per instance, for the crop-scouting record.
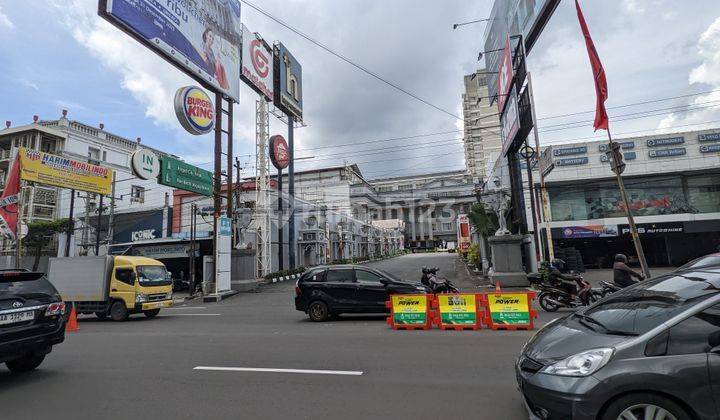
(644, 407)
(318, 311)
(151, 313)
(101, 315)
(25, 363)
(118, 311)
(545, 300)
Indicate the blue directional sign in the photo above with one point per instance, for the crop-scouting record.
(571, 161)
(667, 152)
(667, 141)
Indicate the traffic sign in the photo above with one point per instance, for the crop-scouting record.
(178, 174)
(145, 164)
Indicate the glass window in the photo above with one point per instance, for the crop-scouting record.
(316, 274)
(93, 153)
(707, 261)
(641, 308)
(695, 334)
(704, 193)
(137, 194)
(339, 275)
(367, 277)
(125, 275)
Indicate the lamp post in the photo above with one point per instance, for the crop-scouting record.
(457, 25)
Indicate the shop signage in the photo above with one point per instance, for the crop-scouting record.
(63, 172)
(457, 309)
(183, 176)
(625, 145)
(509, 308)
(711, 148)
(571, 161)
(626, 156)
(409, 309)
(567, 151)
(194, 109)
(145, 164)
(708, 137)
(590, 231)
(279, 152)
(665, 141)
(546, 161)
(509, 122)
(162, 251)
(654, 228)
(667, 152)
(137, 226)
(288, 82)
(257, 64)
(202, 38)
(505, 76)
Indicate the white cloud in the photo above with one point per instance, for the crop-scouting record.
(30, 84)
(5, 21)
(633, 6)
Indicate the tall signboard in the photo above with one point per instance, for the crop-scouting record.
(288, 86)
(510, 123)
(201, 37)
(505, 76)
(223, 250)
(257, 64)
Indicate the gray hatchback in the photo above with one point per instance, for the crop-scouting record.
(649, 352)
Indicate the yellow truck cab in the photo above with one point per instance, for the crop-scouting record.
(114, 285)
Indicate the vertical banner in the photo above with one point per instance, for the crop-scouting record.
(9, 202)
(223, 254)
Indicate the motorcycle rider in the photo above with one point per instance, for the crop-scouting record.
(622, 274)
(565, 281)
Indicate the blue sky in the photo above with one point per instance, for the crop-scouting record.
(59, 54)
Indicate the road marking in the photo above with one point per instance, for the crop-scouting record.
(187, 307)
(310, 371)
(193, 315)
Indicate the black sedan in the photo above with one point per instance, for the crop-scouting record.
(330, 290)
(651, 351)
(31, 319)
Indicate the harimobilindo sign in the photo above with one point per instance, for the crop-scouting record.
(63, 172)
(178, 174)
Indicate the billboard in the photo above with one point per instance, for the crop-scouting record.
(590, 231)
(201, 37)
(257, 64)
(194, 110)
(63, 172)
(504, 79)
(288, 82)
(510, 122)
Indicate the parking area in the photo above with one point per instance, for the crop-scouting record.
(250, 348)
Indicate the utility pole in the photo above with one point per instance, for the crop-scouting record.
(18, 227)
(280, 219)
(86, 226)
(99, 226)
(291, 193)
(71, 221)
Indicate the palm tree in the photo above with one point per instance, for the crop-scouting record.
(484, 222)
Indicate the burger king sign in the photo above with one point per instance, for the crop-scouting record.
(194, 110)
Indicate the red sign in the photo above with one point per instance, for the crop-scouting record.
(279, 152)
(9, 203)
(505, 75)
(259, 57)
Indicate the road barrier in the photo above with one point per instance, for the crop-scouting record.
(463, 311)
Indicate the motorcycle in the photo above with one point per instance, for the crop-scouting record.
(553, 297)
(609, 288)
(436, 283)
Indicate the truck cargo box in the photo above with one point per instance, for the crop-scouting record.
(81, 279)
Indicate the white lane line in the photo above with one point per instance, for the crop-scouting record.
(310, 371)
(192, 315)
(186, 307)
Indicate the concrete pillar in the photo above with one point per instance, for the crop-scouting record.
(411, 209)
(430, 223)
(421, 222)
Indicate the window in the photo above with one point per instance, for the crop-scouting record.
(316, 274)
(93, 153)
(104, 154)
(368, 278)
(151, 274)
(695, 334)
(446, 227)
(137, 194)
(125, 275)
(339, 275)
(405, 187)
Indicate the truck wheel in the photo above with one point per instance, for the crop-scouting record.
(151, 313)
(25, 363)
(118, 311)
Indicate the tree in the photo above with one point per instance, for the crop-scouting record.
(40, 235)
(483, 221)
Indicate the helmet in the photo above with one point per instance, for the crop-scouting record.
(621, 258)
(559, 264)
(424, 269)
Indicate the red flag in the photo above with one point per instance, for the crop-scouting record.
(9, 202)
(601, 90)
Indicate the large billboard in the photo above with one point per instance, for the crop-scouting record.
(201, 37)
(257, 64)
(63, 172)
(509, 122)
(288, 82)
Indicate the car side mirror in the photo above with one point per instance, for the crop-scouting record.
(714, 342)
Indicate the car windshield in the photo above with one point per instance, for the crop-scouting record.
(151, 273)
(706, 261)
(646, 305)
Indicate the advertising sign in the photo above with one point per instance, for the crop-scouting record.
(591, 231)
(463, 229)
(183, 176)
(666, 141)
(546, 161)
(409, 309)
(162, 251)
(509, 121)
(223, 250)
(279, 152)
(137, 226)
(571, 161)
(708, 137)
(257, 64)
(201, 37)
(288, 82)
(680, 151)
(145, 164)
(712, 148)
(655, 228)
(567, 151)
(63, 172)
(9, 203)
(509, 308)
(505, 76)
(194, 109)
(457, 309)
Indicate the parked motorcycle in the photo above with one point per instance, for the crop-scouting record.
(553, 297)
(436, 283)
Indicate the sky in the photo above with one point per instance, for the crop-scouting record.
(58, 54)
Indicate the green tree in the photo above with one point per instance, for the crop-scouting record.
(483, 221)
(40, 235)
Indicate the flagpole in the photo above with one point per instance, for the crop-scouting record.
(628, 211)
(18, 227)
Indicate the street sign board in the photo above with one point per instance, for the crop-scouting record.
(202, 38)
(63, 172)
(178, 174)
(145, 164)
(546, 161)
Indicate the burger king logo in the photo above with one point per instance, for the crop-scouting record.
(194, 110)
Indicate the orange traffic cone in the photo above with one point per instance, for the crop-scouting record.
(498, 289)
(72, 324)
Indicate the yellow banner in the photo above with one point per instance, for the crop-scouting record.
(409, 304)
(509, 308)
(60, 171)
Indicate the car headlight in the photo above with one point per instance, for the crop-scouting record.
(140, 298)
(581, 364)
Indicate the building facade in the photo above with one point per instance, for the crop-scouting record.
(481, 122)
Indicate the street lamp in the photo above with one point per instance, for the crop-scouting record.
(481, 53)
(456, 25)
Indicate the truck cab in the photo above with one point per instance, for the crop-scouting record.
(137, 285)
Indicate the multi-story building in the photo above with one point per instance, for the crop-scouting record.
(481, 121)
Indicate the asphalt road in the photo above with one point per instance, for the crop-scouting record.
(144, 368)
